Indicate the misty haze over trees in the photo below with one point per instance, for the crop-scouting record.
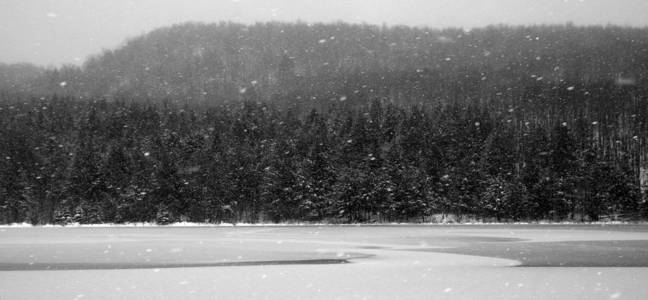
(332, 122)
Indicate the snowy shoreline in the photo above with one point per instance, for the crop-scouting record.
(192, 224)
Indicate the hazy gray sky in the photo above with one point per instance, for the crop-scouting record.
(52, 32)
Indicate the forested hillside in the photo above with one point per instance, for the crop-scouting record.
(336, 123)
(213, 63)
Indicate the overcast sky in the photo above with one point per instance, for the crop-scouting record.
(52, 32)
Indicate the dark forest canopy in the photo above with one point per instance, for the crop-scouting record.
(332, 122)
(212, 63)
(65, 161)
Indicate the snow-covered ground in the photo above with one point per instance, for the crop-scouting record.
(194, 224)
(385, 262)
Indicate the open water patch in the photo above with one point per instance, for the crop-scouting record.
(124, 266)
(619, 253)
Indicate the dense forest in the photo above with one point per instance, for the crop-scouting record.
(213, 63)
(332, 123)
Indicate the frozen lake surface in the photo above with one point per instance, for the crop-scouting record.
(327, 262)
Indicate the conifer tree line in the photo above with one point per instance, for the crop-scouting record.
(338, 122)
(68, 160)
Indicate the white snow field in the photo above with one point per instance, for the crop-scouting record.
(326, 262)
